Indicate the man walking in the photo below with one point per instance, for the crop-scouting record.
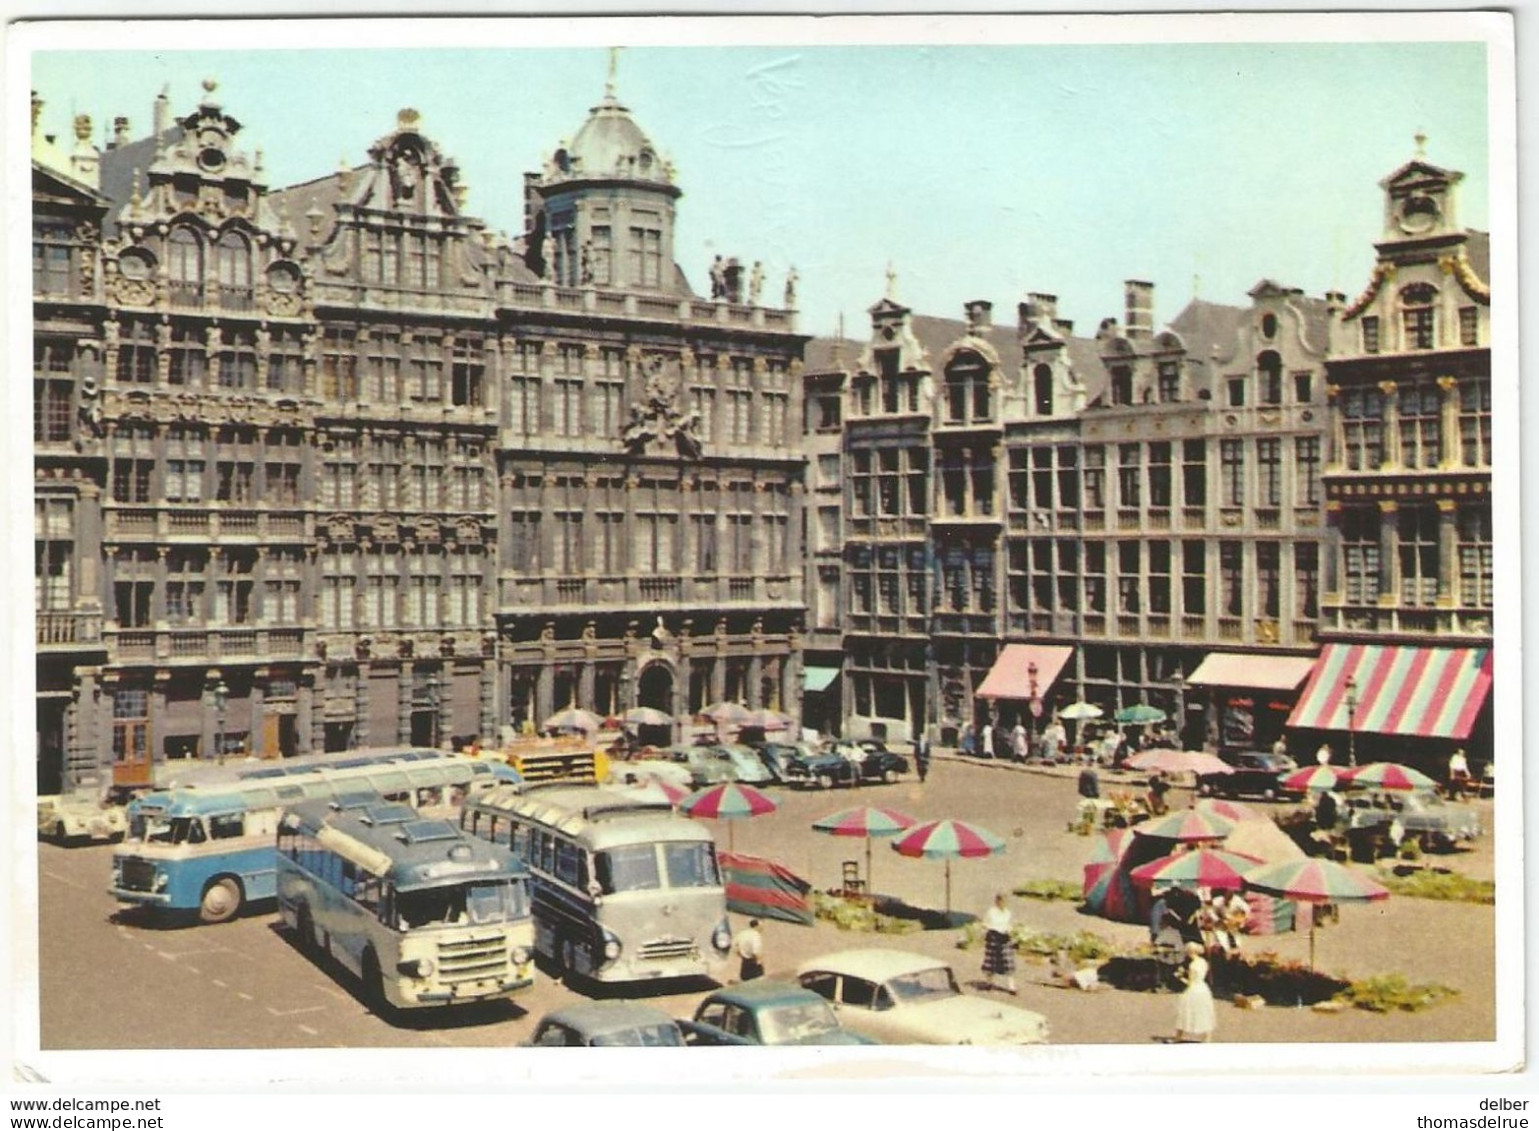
(750, 953)
(922, 758)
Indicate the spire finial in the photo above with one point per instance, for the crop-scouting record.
(614, 68)
(892, 281)
(1421, 143)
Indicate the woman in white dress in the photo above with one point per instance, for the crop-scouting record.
(1194, 1008)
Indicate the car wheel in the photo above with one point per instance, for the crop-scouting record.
(1269, 794)
(1204, 789)
(221, 900)
(825, 781)
(889, 775)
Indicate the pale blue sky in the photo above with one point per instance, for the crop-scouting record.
(979, 172)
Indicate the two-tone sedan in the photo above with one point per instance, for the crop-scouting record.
(902, 998)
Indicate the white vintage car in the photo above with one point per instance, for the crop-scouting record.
(73, 817)
(903, 998)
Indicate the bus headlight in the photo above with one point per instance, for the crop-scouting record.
(416, 967)
(161, 880)
(611, 947)
(521, 956)
(721, 937)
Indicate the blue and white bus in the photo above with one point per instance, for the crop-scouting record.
(625, 889)
(420, 912)
(207, 847)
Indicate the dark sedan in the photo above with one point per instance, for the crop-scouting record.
(763, 1012)
(1257, 773)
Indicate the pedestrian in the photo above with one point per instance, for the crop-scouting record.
(1018, 742)
(986, 743)
(1458, 774)
(1159, 786)
(1089, 784)
(998, 946)
(750, 953)
(969, 740)
(1323, 755)
(1280, 747)
(1327, 810)
(1195, 1019)
(922, 758)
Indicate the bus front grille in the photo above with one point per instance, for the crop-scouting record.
(471, 960)
(138, 875)
(668, 948)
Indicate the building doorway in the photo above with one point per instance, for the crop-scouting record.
(655, 688)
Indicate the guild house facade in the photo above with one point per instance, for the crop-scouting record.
(334, 465)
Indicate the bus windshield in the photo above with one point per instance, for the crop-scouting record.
(460, 905)
(154, 828)
(691, 864)
(632, 868)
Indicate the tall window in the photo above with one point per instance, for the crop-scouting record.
(1475, 566)
(1068, 477)
(1236, 392)
(281, 587)
(184, 266)
(1159, 576)
(53, 250)
(185, 462)
(1362, 415)
(524, 405)
(133, 586)
(1159, 474)
(285, 362)
(1095, 577)
(186, 571)
(1306, 469)
(1269, 472)
(237, 360)
(1269, 378)
(1130, 475)
(1194, 578)
(1268, 579)
(232, 586)
(53, 521)
(1168, 375)
(704, 528)
(860, 484)
(339, 586)
(1370, 333)
(1231, 579)
(646, 257)
(232, 257)
(53, 386)
(1360, 555)
(137, 355)
(1419, 313)
(524, 542)
(1129, 577)
(1418, 555)
(968, 397)
(339, 375)
(1122, 384)
(1042, 389)
(1095, 477)
(601, 254)
(1475, 421)
(468, 375)
(466, 569)
(1421, 415)
(1306, 579)
(1194, 473)
(1469, 326)
(1231, 456)
(888, 380)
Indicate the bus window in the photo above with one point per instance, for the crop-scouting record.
(366, 892)
(227, 826)
(568, 863)
(489, 903)
(691, 865)
(633, 868)
(178, 830)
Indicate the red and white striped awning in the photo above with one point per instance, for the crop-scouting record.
(1430, 692)
(1011, 675)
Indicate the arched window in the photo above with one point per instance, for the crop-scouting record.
(1269, 380)
(1420, 316)
(1042, 389)
(184, 264)
(233, 260)
(968, 396)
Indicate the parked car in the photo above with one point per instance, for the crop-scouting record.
(798, 763)
(706, 765)
(746, 764)
(642, 770)
(73, 817)
(1438, 824)
(607, 1023)
(764, 1012)
(877, 763)
(1256, 774)
(903, 998)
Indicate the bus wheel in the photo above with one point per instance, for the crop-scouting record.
(221, 900)
(373, 984)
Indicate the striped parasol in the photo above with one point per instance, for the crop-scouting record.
(1200, 868)
(867, 821)
(1188, 826)
(574, 718)
(726, 714)
(1387, 775)
(1314, 880)
(1180, 761)
(1140, 713)
(1227, 810)
(652, 788)
(729, 801)
(1316, 779)
(945, 840)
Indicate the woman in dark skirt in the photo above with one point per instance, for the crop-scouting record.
(998, 946)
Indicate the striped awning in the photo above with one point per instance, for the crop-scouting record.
(1011, 676)
(1428, 692)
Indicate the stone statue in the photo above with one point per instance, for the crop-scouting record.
(790, 302)
(755, 283)
(719, 278)
(586, 262)
(548, 256)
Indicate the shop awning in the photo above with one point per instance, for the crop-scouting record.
(818, 679)
(1010, 677)
(1251, 669)
(1429, 692)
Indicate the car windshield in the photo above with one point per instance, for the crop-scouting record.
(922, 985)
(662, 1035)
(691, 864)
(792, 1023)
(152, 828)
(631, 868)
(461, 904)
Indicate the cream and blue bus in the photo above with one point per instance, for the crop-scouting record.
(206, 847)
(420, 912)
(625, 890)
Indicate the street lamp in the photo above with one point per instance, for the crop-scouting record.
(1036, 707)
(1351, 686)
(221, 697)
(435, 699)
(1180, 685)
